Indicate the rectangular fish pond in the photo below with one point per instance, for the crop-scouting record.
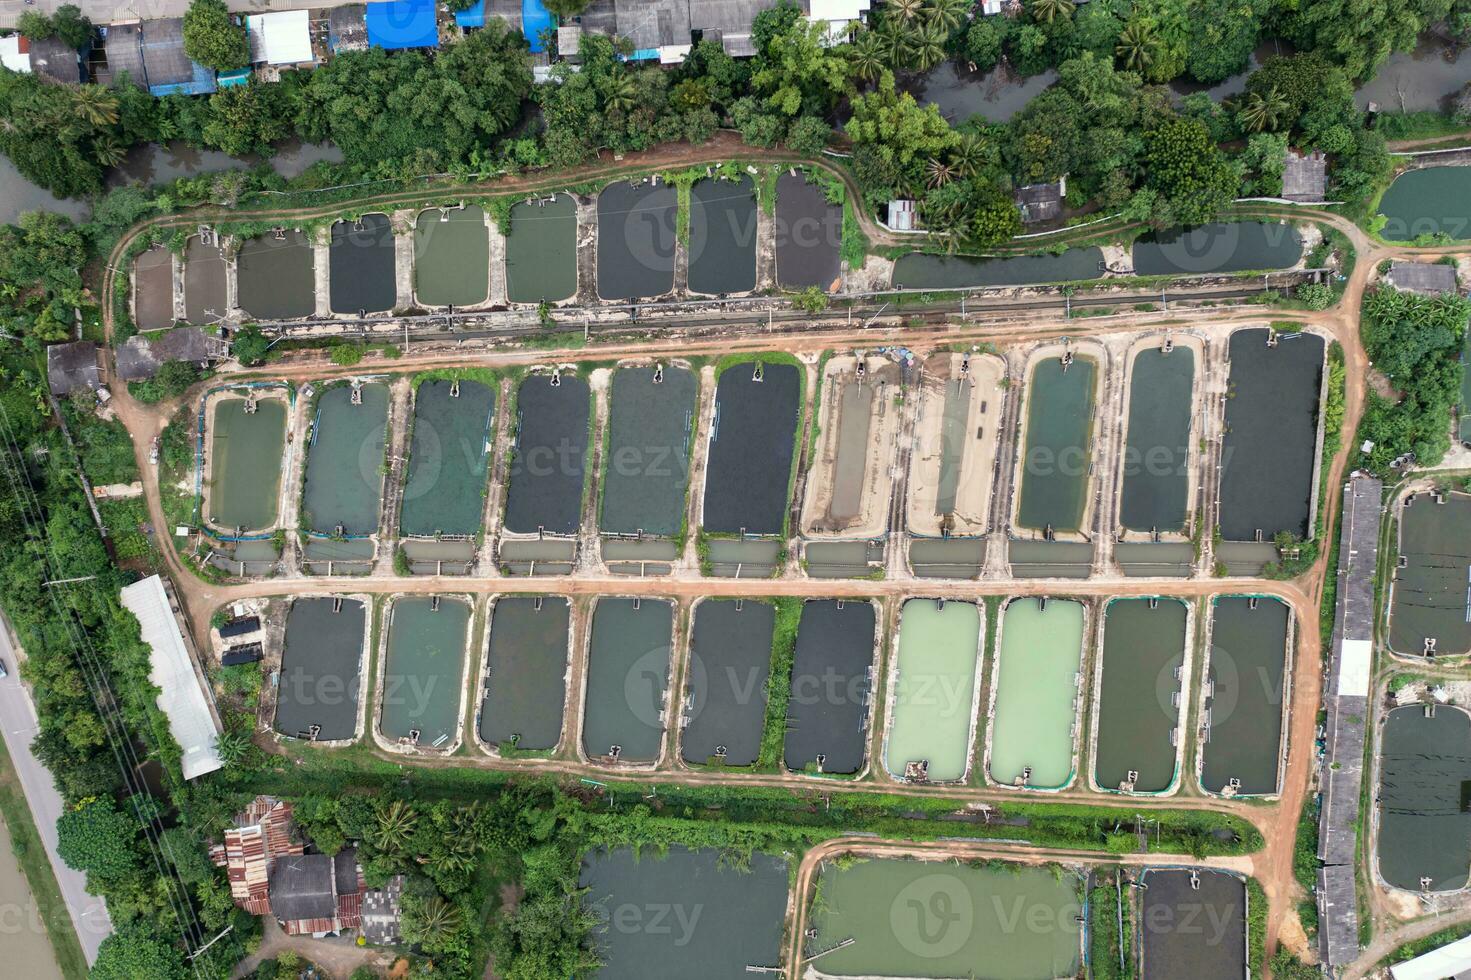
(809, 235)
(722, 236)
(1057, 461)
(1218, 248)
(684, 913)
(1424, 827)
(1247, 677)
(321, 669)
(922, 270)
(1193, 924)
(276, 276)
(752, 438)
(1431, 598)
(449, 456)
(525, 684)
(204, 282)
(650, 427)
(1269, 456)
(933, 705)
(849, 484)
(627, 678)
(423, 675)
(451, 257)
(730, 661)
(541, 250)
(1156, 464)
(832, 682)
(946, 921)
(548, 470)
(1428, 201)
(636, 239)
(153, 289)
(344, 464)
(1034, 699)
(1139, 696)
(247, 439)
(361, 265)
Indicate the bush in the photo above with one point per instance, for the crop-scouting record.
(346, 355)
(808, 136)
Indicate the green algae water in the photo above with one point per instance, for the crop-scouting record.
(344, 466)
(1424, 827)
(451, 257)
(944, 921)
(1248, 662)
(1059, 435)
(1429, 201)
(424, 675)
(276, 276)
(934, 699)
(1157, 449)
(449, 457)
(1143, 648)
(245, 469)
(627, 677)
(541, 250)
(1035, 703)
(921, 270)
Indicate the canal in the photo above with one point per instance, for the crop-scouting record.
(923, 270)
(1424, 826)
(932, 710)
(809, 233)
(344, 465)
(1248, 662)
(1057, 464)
(1156, 464)
(1429, 597)
(246, 451)
(1218, 248)
(541, 250)
(722, 234)
(361, 262)
(651, 421)
(526, 673)
(752, 438)
(1139, 691)
(321, 669)
(550, 456)
(1034, 708)
(627, 678)
(827, 714)
(424, 673)
(276, 276)
(730, 661)
(995, 95)
(636, 239)
(451, 257)
(449, 457)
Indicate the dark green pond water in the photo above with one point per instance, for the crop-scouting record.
(921, 270)
(636, 239)
(547, 471)
(1430, 591)
(452, 257)
(204, 283)
(245, 483)
(646, 472)
(541, 251)
(276, 277)
(627, 677)
(1055, 474)
(1193, 930)
(321, 668)
(730, 660)
(1157, 449)
(722, 246)
(827, 714)
(344, 478)
(1142, 650)
(809, 234)
(751, 447)
(449, 456)
(1424, 826)
(1214, 249)
(153, 286)
(1248, 658)
(424, 675)
(361, 266)
(1431, 201)
(527, 666)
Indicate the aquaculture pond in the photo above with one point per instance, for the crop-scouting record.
(636, 239)
(1248, 661)
(1424, 825)
(550, 456)
(1269, 457)
(153, 289)
(526, 672)
(1464, 427)
(752, 437)
(344, 463)
(1430, 594)
(722, 236)
(246, 449)
(953, 439)
(449, 456)
(855, 403)
(1059, 446)
(827, 713)
(922, 270)
(276, 276)
(684, 913)
(204, 283)
(1428, 201)
(451, 256)
(321, 669)
(946, 921)
(1218, 248)
(627, 678)
(424, 673)
(1193, 924)
(1034, 709)
(647, 470)
(933, 705)
(1156, 464)
(809, 235)
(1139, 691)
(541, 250)
(730, 660)
(361, 265)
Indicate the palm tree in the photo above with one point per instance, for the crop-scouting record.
(938, 173)
(1136, 46)
(927, 46)
(906, 9)
(1263, 110)
(396, 823)
(232, 743)
(109, 152)
(622, 94)
(429, 922)
(866, 56)
(1049, 10)
(949, 14)
(95, 104)
(968, 156)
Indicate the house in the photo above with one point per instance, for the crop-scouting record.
(395, 25)
(474, 16)
(72, 367)
(260, 835)
(1305, 177)
(347, 28)
(1451, 960)
(903, 215)
(1040, 202)
(281, 38)
(382, 909)
(569, 40)
(151, 53)
(1425, 278)
(841, 15)
(139, 358)
(317, 894)
(51, 59)
(666, 30)
(15, 53)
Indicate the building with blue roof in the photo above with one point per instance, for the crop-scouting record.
(397, 24)
(530, 17)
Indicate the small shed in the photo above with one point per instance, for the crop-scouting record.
(1305, 177)
(243, 626)
(58, 61)
(569, 40)
(1425, 278)
(281, 37)
(245, 653)
(140, 357)
(122, 52)
(398, 24)
(317, 894)
(1040, 202)
(903, 215)
(347, 28)
(72, 367)
(382, 909)
(167, 70)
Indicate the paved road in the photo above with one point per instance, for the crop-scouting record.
(117, 11)
(18, 717)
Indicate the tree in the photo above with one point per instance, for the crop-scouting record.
(798, 70)
(983, 40)
(175, 377)
(346, 355)
(1047, 11)
(1136, 46)
(70, 26)
(248, 118)
(566, 8)
(809, 135)
(1188, 171)
(1222, 34)
(429, 922)
(1262, 110)
(927, 46)
(35, 26)
(866, 56)
(213, 38)
(1359, 36)
(131, 953)
(938, 173)
(394, 827)
(899, 129)
(906, 9)
(95, 838)
(233, 745)
(950, 15)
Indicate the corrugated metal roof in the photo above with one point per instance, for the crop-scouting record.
(1447, 961)
(282, 37)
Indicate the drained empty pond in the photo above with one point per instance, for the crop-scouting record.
(922, 270)
(1143, 651)
(1424, 826)
(525, 673)
(275, 276)
(321, 669)
(1058, 453)
(1431, 598)
(449, 455)
(646, 473)
(1034, 706)
(809, 231)
(827, 714)
(933, 705)
(1268, 458)
(946, 921)
(247, 438)
(722, 236)
(451, 256)
(684, 913)
(1248, 660)
(541, 250)
(730, 660)
(153, 289)
(751, 443)
(1156, 460)
(204, 282)
(361, 265)
(344, 481)
(1193, 924)
(547, 471)
(636, 240)
(1213, 249)
(424, 672)
(627, 678)
(1428, 201)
